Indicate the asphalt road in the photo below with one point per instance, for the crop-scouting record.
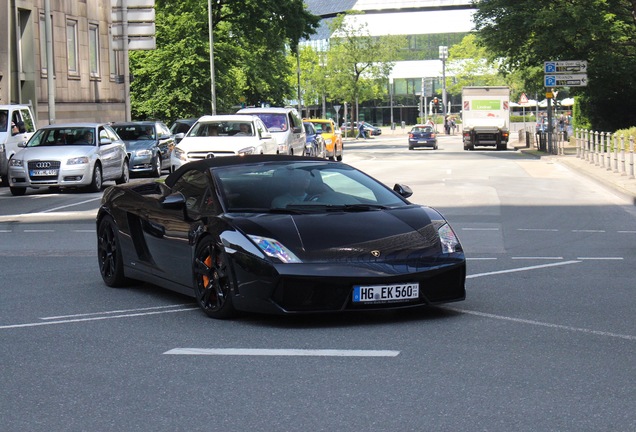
(545, 341)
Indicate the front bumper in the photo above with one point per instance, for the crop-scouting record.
(66, 176)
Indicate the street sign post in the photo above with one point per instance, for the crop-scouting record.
(563, 80)
(569, 66)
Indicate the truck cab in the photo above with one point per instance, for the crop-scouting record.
(17, 124)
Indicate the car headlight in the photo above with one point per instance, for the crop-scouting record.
(448, 239)
(15, 162)
(247, 151)
(275, 249)
(180, 154)
(77, 161)
(145, 152)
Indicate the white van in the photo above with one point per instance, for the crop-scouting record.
(17, 124)
(286, 127)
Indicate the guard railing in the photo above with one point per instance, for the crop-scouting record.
(608, 151)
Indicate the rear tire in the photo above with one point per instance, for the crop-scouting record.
(111, 263)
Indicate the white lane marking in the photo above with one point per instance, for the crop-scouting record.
(71, 205)
(538, 229)
(38, 230)
(480, 259)
(535, 258)
(37, 324)
(282, 352)
(626, 232)
(521, 269)
(6, 231)
(588, 231)
(118, 311)
(543, 324)
(600, 258)
(84, 230)
(480, 229)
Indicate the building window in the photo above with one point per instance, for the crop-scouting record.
(93, 49)
(71, 47)
(113, 57)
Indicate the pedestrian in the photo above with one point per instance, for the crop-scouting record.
(447, 125)
(453, 124)
(361, 131)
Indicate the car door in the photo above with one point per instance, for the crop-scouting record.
(268, 143)
(165, 142)
(298, 133)
(167, 232)
(21, 117)
(111, 153)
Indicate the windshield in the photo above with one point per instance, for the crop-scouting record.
(304, 186)
(135, 132)
(274, 122)
(222, 128)
(63, 137)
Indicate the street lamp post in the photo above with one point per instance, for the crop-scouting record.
(391, 97)
(212, 82)
(443, 55)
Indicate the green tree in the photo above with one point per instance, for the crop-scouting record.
(526, 33)
(251, 40)
(358, 65)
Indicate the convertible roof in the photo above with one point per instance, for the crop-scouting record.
(205, 164)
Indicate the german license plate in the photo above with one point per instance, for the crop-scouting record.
(386, 293)
(49, 172)
(422, 142)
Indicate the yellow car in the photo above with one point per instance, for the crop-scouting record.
(332, 136)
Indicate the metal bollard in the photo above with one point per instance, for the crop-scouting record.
(631, 157)
(623, 156)
(615, 141)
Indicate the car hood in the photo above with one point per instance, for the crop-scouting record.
(397, 235)
(56, 152)
(213, 143)
(140, 144)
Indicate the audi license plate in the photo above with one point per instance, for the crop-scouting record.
(45, 172)
(386, 293)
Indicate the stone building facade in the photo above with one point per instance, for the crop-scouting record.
(88, 80)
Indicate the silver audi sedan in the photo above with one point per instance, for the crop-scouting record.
(70, 155)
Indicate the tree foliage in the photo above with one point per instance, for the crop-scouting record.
(358, 65)
(526, 33)
(251, 40)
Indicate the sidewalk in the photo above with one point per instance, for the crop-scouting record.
(621, 183)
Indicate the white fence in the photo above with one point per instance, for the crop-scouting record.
(606, 150)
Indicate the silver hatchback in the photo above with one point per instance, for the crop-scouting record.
(69, 155)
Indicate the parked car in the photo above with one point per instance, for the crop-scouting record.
(149, 145)
(333, 137)
(17, 125)
(369, 129)
(285, 125)
(422, 135)
(181, 127)
(210, 231)
(70, 155)
(315, 143)
(223, 135)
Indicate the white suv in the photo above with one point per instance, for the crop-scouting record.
(223, 135)
(286, 127)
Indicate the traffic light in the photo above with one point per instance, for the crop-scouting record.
(435, 105)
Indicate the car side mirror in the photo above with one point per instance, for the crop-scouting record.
(297, 130)
(178, 137)
(22, 144)
(266, 135)
(103, 141)
(403, 190)
(174, 201)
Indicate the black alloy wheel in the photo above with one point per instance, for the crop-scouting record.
(156, 166)
(212, 280)
(111, 263)
(125, 173)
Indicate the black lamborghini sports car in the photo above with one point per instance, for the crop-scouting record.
(279, 234)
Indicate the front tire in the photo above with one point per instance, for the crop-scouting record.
(125, 174)
(212, 280)
(111, 263)
(96, 183)
(17, 191)
(156, 166)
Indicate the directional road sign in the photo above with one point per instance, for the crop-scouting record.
(563, 80)
(568, 67)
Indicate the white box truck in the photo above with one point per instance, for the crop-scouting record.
(17, 124)
(486, 117)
